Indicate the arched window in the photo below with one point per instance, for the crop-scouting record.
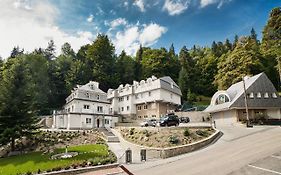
(222, 98)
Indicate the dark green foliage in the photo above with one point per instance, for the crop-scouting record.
(186, 132)
(19, 102)
(202, 133)
(174, 140)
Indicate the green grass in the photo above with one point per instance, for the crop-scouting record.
(31, 162)
(204, 101)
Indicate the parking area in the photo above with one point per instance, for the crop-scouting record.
(270, 165)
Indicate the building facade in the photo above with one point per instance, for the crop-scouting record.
(228, 106)
(150, 98)
(86, 107)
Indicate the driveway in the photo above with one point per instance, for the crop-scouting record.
(238, 148)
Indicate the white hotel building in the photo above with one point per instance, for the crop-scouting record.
(86, 107)
(89, 107)
(153, 97)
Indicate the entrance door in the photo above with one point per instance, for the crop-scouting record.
(98, 123)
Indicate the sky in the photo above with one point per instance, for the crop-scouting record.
(30, 24)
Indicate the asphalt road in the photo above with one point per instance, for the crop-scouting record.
(251, 151)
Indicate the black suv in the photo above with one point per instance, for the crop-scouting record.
(169, 120)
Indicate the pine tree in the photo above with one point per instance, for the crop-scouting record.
(17, 104)
(16, 52)
(138, 65)
(172, 51)
(271, 41)
(50, 51)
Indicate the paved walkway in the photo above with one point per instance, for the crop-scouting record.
(110, 171)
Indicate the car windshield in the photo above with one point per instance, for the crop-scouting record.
(163, 118)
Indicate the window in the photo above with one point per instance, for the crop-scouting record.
(110, 109)
(87, 95)
(259, 95)
(72, 107)
(139, 116)
(137, 96)
(274, 95)
(145, 107)
(86, 106)
(139, 108)
(149, 94)
(98, 97)
(100, 109)
(106, 121)
(153, 116)
(122, 108)
(145, 116)
(128, 108)
(172, 85)
(88, 120)
(222, 98)
(251, 95)
(266, 95)
(127, 98)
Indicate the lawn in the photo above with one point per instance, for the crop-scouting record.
(32, 162)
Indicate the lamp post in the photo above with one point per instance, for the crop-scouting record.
(246, 104)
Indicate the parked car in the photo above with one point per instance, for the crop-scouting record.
(184, 120)
(150, 122)
(169, 120)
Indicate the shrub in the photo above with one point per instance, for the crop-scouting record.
(186, 132)
(146, 133)
(132, 131)
(202, 133)
(173, 139)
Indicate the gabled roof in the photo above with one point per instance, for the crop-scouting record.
(92, 86)
(258, 83)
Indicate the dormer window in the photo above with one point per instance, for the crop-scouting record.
(274, 95)
(222, 98)
(92, 87)
(266, 95)
(98, 97)
(172, 85)
(251, 95)
(258, 95)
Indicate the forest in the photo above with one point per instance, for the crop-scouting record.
(38, 82)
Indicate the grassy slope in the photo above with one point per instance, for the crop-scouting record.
(33, 161)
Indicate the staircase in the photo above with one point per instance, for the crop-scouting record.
(110, 137)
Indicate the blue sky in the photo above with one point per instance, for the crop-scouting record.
(155, 23)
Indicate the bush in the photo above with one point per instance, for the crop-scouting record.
(132, 131)
(186, 132)
(202, 133)
(173, 140)
(146, 133)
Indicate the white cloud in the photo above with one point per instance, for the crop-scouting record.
(33, 27)
(23, 4)
(151, 34)
(175, 7)
(140, 4)
(90, 18)
(126, 4)
(204, 3)
(117, 22)
(134, 35)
